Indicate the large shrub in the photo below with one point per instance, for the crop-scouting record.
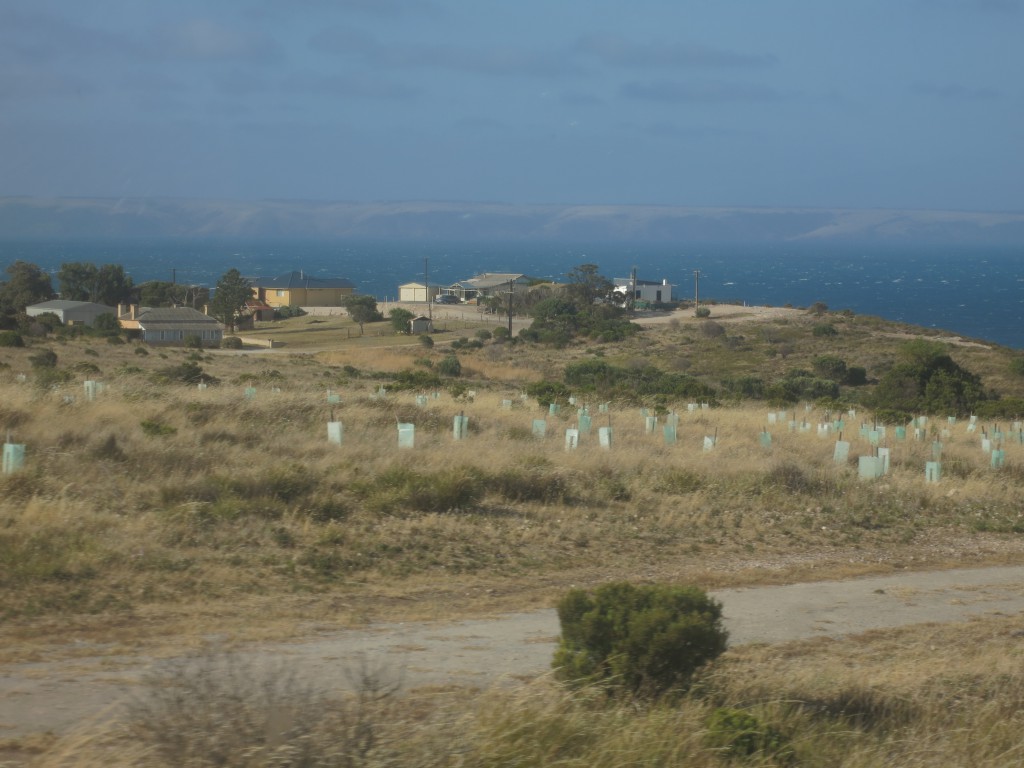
(644, 641)
(11, 339)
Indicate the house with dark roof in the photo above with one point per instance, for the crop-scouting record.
(71, 312)
(486, 284)
(649, 291)
(297, 289)
(171, 325)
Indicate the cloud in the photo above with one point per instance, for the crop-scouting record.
(374, 8)
(39, 36)
(702, 93)
(204, 40)
(954, 92)
(504, 61)
(346, 87)
(615, 51)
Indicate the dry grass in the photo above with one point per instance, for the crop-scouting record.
(923, 696)
(148, 518)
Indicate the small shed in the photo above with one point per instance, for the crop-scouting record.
(421, 324)
(71, 312)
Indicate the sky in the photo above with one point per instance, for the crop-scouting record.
(781, 103)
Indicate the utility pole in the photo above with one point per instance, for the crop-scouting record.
(632, 291)
(511, 292)
(426, 290)
(696, 290)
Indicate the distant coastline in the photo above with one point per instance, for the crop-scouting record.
(973, 291)
(32, 217)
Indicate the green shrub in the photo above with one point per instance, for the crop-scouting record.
(426, 340)
(11, 339)
(193, 341)
(703, 312)
(642, 641)
(141, 351)
(450, 366)
(484, 335)
(157, 429)
(824, 329)
(47, 358)
(501, 333)
(231, 342)
(740, 734)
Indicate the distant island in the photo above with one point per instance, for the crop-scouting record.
(31, 217)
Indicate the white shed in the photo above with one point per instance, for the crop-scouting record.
(417, 292)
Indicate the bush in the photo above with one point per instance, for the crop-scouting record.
(193, 341)
(426, 341)
(484, 335)
(640, 641)
(45, 359)
(740, 734)
(703, 312)
(450, 366)
(824, 329)
(231, 342)
(11, 339)
(501, 333)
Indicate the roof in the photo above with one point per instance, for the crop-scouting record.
(66, 304)
(299, 279)
(178, 317)
(493, 279)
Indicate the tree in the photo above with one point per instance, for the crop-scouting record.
(84, 281)
(162, 293)
(111, 286)
(229, 297)
(927, 380)
(587, 285)
(644, 641)
(26, 284)
(362, 309)
(75, 280)
(400, 319)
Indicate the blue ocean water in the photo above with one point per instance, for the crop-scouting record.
(974, 291)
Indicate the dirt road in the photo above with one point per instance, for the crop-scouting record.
(59, 696)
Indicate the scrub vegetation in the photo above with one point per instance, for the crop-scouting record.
(162, 512)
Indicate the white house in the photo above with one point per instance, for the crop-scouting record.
(644, 290)
(71, 312)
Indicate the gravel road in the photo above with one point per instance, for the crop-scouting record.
(58, 696)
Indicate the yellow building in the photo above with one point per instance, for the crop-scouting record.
(297, 289)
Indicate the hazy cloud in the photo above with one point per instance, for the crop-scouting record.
(490, 61)
(205, 39)
(370, 8)
(615, 51)
(704, 93)
(954, 92)
(344, 86)
(41, 37)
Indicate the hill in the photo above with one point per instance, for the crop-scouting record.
(25, 217)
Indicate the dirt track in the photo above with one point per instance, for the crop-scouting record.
(60, 696)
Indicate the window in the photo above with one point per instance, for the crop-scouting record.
(279, 293)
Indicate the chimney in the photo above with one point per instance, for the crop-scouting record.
(122, 309)
(133, 311)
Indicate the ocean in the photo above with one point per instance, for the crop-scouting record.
(977, 292)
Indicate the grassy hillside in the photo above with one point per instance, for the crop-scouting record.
(160, 511)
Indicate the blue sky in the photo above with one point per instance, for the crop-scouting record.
(874, 103)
